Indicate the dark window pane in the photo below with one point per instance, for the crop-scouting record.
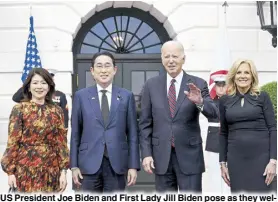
(110, 41)
(137, 81)
(133, 41)
(105, 46)
(99, 30)
(153, 49)
(137, 46)
(109, 50)
(150, 74)
(144, 29)
(151, 39)
(92, 39)
(126, 39)
(110, 24)
(121, 22)
(88, 49)
(137, 51)
(133, 24)
(122, 35)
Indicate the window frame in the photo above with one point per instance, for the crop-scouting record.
(145, 17)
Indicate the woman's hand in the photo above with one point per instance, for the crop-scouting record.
(225, 173)
(63, 181)
(12, 181)
(270, 171)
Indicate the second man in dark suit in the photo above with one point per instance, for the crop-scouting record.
(170, 135)
(104, 147)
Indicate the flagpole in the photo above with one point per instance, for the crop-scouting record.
(30, 8)
(225, 5)
(223, 56)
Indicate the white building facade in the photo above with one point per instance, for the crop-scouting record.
(57, 23)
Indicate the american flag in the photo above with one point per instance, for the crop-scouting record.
(222, 60)
(32, 57)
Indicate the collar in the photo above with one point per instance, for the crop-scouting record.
(178, 78)
(243, 95)
(109, 88)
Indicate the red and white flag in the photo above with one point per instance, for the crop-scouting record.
(222, 60)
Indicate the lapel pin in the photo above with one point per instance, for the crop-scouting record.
(93, 98)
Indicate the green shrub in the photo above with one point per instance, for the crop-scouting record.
(271, 89)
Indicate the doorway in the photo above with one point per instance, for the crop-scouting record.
(132, 74)
(135, 38)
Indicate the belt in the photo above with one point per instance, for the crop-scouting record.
(213, 124)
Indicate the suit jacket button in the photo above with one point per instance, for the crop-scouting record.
(103, 142)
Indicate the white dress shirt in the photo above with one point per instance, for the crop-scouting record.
(177, 83)
(108, 94)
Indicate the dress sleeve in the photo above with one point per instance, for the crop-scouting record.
(9, 158)
(223, 137)
(62, 148)
(271, 124)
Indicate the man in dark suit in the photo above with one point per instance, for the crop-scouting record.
(104, 140)
(59, 98)
(170, 136)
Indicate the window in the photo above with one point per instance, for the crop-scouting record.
(121, 34)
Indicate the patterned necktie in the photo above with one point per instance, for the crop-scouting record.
(172, 97)
(172, 102)
(104, 107)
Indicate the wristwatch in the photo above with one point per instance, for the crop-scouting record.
(200, 107)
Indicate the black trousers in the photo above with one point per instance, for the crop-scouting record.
(104, 180)
(174, 179)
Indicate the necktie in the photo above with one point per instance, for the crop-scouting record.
(172, 102)
(104, 107)
(105, 114)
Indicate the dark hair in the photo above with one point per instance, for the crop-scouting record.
(221, 83)
(48, 79)
(106, 53)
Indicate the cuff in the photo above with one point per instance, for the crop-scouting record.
(200, 107)
(10, 173)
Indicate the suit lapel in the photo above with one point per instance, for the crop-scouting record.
(114, 102)
(94, 100)
(183, 87)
